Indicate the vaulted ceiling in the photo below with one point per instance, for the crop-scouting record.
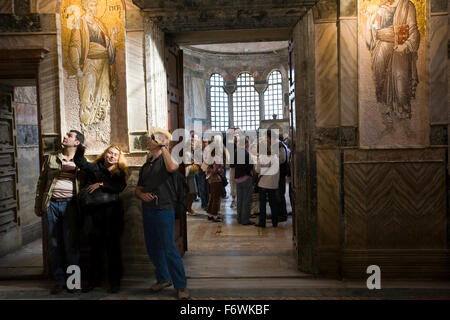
(177, 16)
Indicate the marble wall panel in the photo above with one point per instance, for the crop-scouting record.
(26, 114)
(25, 95)
(156, 76)
(348, 71)
(349, 136)
(28, 174)
(134, 254)
(438, 74)
(119, 114)
(326, 80)
(137, 112)
(420, 155)
(395, 204)
(347, 8)
(6, 6)
(328, 198)
(49, 89)
(439, 5)
(325, 9)
(439, 134)
(199, 95)
(134, 16)
(21, 7)
(47, 22)
(27, 135)
(188, 101)
(45, 6)
(25, 23)
(135, 20)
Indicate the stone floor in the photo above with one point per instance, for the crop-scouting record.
(24, 263)
(224, 261)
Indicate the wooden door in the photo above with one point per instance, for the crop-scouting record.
(292, 126)
(175, 109)
(9, 218)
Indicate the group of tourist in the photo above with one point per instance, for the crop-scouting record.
(251, 172)
(72, 191)
(77, 197)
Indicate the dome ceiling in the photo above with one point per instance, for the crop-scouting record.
(242, 48)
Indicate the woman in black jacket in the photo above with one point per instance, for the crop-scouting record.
(109, 174)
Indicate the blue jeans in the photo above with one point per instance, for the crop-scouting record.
(160, 242)
(62, 238)
(203, 189)
(244, 191)
(273, 202)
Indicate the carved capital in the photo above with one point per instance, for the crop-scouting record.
(230, 87)
(260, 87)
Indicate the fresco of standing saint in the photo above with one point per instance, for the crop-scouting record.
(92, 54)
(393, 38)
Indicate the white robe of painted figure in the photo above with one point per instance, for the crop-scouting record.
(92, 52)
(394, 72)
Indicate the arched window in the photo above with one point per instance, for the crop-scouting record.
(246, 103)
(219, 104)
(273, 96)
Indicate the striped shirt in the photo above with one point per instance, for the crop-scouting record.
(64, 187)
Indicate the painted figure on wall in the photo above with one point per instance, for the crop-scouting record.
(393, 38)
(92, 54)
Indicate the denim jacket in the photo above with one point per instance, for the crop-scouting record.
(47, 179)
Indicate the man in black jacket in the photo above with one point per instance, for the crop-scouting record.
(284, 172)
(244, 183)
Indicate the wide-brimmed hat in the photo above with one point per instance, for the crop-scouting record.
(158, 134)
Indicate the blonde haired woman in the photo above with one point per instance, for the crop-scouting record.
(106, 178)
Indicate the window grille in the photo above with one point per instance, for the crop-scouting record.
(273, 96)
(219, 104)
(246, 103)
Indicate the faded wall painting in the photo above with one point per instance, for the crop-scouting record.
(392, 73)
(92, 34)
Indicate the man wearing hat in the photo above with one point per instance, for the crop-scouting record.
(156, 190)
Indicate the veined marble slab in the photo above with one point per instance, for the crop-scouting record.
(327, 102)
(6, 6)
(137, 120)
(349, 72)
(438, 72)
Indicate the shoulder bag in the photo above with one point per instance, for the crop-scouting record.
(96, 198)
